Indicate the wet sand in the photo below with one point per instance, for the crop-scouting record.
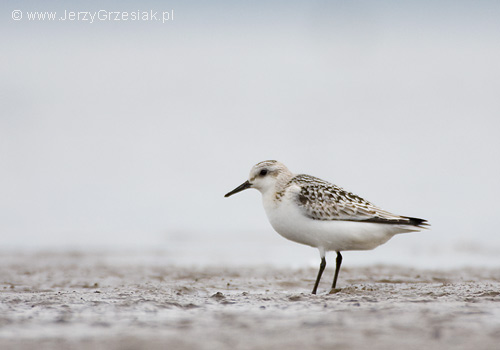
(94, 301)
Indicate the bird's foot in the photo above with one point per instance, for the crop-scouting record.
(334, 290)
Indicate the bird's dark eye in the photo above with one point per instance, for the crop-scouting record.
(263, 172)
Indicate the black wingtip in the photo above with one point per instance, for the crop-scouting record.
(418, 222)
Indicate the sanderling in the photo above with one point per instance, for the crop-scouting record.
(310, 211)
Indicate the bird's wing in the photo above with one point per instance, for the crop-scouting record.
(321, 200)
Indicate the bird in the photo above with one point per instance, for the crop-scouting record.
(317, 213)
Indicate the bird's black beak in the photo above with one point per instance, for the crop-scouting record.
(240, 188)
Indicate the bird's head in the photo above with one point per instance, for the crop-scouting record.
(264, 176)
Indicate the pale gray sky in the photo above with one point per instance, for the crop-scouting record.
(130, 133)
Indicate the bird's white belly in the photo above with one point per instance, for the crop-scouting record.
(332, 235)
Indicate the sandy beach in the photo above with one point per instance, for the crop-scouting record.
(102, 301)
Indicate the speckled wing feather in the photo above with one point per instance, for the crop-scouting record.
(322, 200)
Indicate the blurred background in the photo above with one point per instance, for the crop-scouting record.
(123, 136)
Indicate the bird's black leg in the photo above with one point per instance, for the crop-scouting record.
(320, 272)
(337, 269)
